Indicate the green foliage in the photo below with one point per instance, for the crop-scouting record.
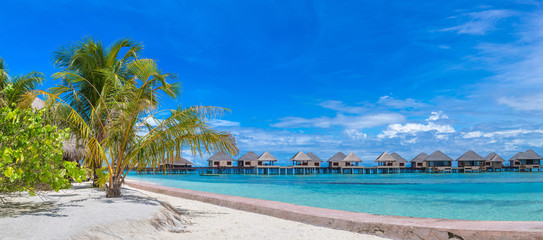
(31, 153)
(16, 91)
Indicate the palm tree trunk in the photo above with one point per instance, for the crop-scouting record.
(113, 190)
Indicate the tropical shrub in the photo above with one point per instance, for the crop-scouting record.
(31, 153)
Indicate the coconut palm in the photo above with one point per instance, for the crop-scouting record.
(17, 91)
(83, 81)
(120, 128)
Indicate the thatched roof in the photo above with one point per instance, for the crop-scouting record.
(37, 104)
(300, 156)
(385, 157)
(351, 157)
(420, 157)
(179, 161)
(437, 156)
(337, 157)
(516, 156)
(220, 156)
(470, 156)
(249, 156)
(266, 156)
(493, 157)
(72, 150)
(398, 157)
(314, 157)
(529, 155)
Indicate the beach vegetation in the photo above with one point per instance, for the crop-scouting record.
(31, 153)
(114, 102)
(16, 91)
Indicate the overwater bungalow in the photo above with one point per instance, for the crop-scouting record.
(220, 159)
(301, 159)
(471, 162)
(438, 162)
(335, 161)
(494, 162)
(179, 162)
(399, 159)
(417, 163)
(386, 163)
(315, 161)
(526, 161)
(351, 160)
(249, 159)
(266, 159)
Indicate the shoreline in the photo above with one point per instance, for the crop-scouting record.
(380, 225)
(82, 212)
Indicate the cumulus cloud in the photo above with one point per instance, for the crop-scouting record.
(395, 130)
(478, 23)
(356, 134)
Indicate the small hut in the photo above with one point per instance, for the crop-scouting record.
(266, 160)
(249, 159)
(178, 162)
(300, 159)
(438, 162)
(417, 163)
(37, 104)
(399, 159)
(335, 161)
(315, 161)
(220, 159)
(470, 161)
(386, 160)
(528, 160)
(351, 160)
(494, 161)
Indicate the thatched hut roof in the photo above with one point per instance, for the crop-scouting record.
(493, 157)
(72, 150)
(314, 157)
(351, 157)
(300, 157)
(516, 156)
(37, 104)
(266, 156)
(220, 156)
(179, 161)
(385, 157)
(398, 157)
(337, 157)
(420, 157)
(437, 156)
(470, 156)
(529, 155)
(249, 156)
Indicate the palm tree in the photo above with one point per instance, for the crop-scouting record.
(117, 124)
(17, 91)
(83, 81)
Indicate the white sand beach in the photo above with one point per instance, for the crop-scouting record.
(85, 213)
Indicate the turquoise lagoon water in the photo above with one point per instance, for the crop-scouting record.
(484, 196)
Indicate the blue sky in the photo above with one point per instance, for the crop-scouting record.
(324, 76)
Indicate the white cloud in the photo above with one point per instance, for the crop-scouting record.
(353, 122)
(341, 107)
(223, 123)
(399, 103)
(524, 103)
(437, 115)
(394, 130)
(504, 133)
(355, 134)
(479, 23)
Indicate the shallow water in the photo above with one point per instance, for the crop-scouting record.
(481, 196)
